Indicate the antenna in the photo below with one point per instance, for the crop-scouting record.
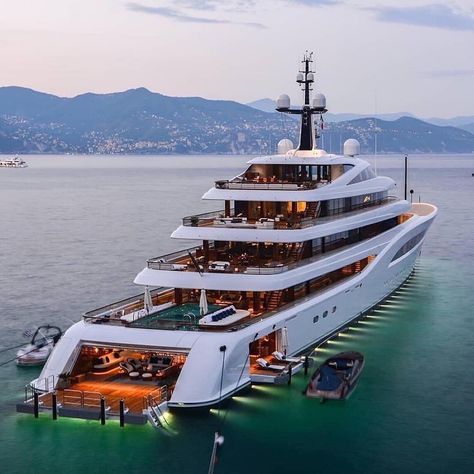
(305, 79)
(375, 131)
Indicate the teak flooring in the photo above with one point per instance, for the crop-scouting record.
(114, 391)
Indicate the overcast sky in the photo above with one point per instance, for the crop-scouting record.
(371, 55)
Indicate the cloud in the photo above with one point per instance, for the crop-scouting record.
(452, 73)
(178, 15)
(316, 3)
(434, 15)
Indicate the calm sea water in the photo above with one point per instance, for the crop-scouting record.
(75, 230)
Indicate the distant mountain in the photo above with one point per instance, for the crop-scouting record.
(265, 105)
(140, 121)
(268, 105)
(469, 127)
(454, 121)
(404, 135)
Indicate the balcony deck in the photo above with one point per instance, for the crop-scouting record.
(270, 184)
(181, 319)
(218, 219)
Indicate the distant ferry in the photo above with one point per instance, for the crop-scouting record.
(15, 162)
(306, 243)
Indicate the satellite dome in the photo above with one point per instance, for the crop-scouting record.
(284, 146)
(283, 102)
(299, 77)
(351, 147)
(319, 101)
(310, 76)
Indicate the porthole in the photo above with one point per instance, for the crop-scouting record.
(325, 314)
(316, 319)
(334, 308)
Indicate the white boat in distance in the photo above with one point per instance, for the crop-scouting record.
(15, 162)
(306, 242)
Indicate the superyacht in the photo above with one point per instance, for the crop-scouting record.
(15, 162)
(305, 243)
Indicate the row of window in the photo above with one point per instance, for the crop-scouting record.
(347, 237)
(364, 175)
(407, 246)
(342, 205)
(325, 314)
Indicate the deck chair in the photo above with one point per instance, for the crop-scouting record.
(283, 358)
(126, 367)
(137, 366)
(266, 365)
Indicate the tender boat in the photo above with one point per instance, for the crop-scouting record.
(337, 377)
(15, 162)
(42, 343)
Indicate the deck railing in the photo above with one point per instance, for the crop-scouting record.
(275, 185)
(290, 223)
(269, 268)
(157, 396)
(114, 310)
(205, 218)
(80, 398)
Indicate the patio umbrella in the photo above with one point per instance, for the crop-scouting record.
(148, 303)
(284, 339)
(203, 308)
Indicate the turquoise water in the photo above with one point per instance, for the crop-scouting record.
(176, 313)
(78, 229)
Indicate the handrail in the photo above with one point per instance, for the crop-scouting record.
(80, 398)
(276, 185)
(155, 397)
(290, 223)
(72, 397)
(198, 219)
(118, 305)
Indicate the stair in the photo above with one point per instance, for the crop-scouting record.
(274, 300)
(153, 417)
(312, 209)
(296, 251)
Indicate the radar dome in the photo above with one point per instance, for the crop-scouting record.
(299, 77)
(351, 147)
(310, 76)
(284, 146)
(319, 101)
(283, 102)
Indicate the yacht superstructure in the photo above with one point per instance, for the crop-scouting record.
(305, 242)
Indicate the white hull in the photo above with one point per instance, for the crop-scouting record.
(199, 381)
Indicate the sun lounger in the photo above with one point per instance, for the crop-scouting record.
(127, 367)
(266, 365)
(282, 357)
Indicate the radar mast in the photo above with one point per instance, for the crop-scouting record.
(305, 79)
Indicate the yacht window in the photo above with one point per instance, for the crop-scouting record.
(325, 314)
(407, 246)
(334, 309)
(364, 175)
(316, 319)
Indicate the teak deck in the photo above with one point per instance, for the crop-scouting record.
(132, 393)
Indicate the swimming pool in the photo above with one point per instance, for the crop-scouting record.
(187, 313)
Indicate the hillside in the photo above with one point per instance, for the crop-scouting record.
(140, 121)
(404, 135)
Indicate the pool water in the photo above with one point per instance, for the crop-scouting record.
(176, 314)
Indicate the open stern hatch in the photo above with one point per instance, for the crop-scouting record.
(144, 378)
